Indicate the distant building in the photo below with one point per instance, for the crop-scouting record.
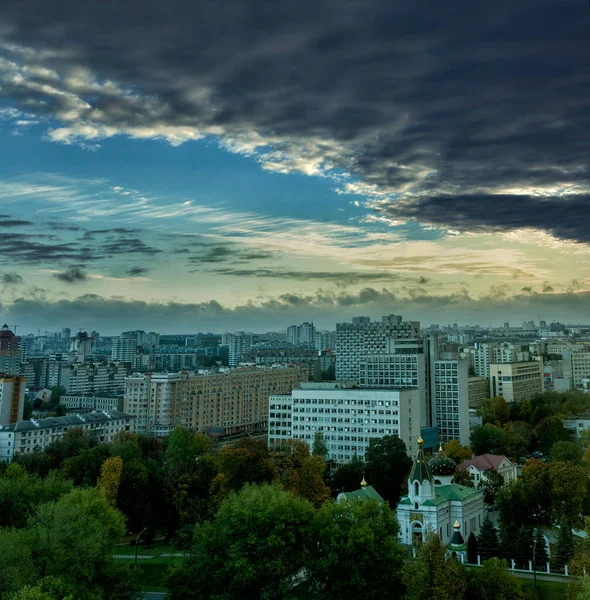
(451, 399)
(478, 390)
(478, 466)
(12, 398)
(349, 417)
(10, 351)
(35, 435)
(516, 382)
(125, 348)
(239, 343)
(93, 378)
(577, 425)
(92, 402)
(576, 367)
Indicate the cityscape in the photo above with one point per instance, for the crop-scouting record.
(294, 300)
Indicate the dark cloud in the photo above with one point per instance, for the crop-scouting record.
(221, 253)
(11, 278)
(121, 231)
(347, 278)
(446, 105)
(72, 275)
(137, 271)
(14, 223)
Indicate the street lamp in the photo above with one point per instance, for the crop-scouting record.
(137, 541)
(535, 556)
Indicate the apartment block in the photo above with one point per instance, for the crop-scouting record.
(92, 402)
(576, 367)
(93, 378)
(516, 382)
(10, 351)
(349, 417)
(451, 399)
(234, 401)
(12, 398)
(35, 435)
(363, 337)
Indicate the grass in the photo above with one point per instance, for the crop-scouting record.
(153, 571)
(548, 590)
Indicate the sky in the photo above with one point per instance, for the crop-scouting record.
(218, 166)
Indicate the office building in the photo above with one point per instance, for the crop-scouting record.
(125, 348)
(12, 398)
(576, 368)
(363, 337)
(451, 399)
(478, 391)
(233, 402)
(516, 382)
(34, 435)
(10, 351)
(349, 417)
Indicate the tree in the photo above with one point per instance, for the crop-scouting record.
(84, 468)
(472, 549)
(311, 480)
(541, 556)
(519, 439)
(493, 582)
(550, 430)
(494, 410)
(254, 548)
(490, 486)
(387, 466)
(348, 476)
(487, 439)
(355, 551)
(564, 551)
(566, 452)
(184, 447)
(433, 574)
(456, 452)
(487, 540)
(110, 478)
(320, 448)
(568, 490)
(463, 477)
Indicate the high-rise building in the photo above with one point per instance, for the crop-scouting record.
(81, 346)
(10, 351)
(301, 335)
(364, 337)
(451, 399)
(293, 335)
(239, 343)
(89, 378)
(325, 340)
(12, 398)
(66, 333)
(348, 417)
(125, 348)
(478, 391)
(518, 381)
(233, 402)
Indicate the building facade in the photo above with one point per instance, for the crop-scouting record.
(10, 351)
(349, 417)
(516, 382)
(478, 390)
(124, 348)
(478, 466)
(12, 398)
(35, 435)
(451, 399)
(93, 378)
(235, 401)
(92, 402)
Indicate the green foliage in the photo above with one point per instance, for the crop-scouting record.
(488, 439)
(541, 555)
(388, 466)
(566, 452)
(494, 410)
(433, 574)
(493, 581)
(456, 452)
(549, 431)
(564, 551)
(320, 448)
(84, 468)
(490, 486)
(355, 551)
(254, 548)
(462, 477)
(488, 545)
(568, 490)
(348, 476)
(519, 439)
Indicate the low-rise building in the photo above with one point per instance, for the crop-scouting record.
(35, 435)
(518, 381)
(478, 466)
(577, 424)
(92, 402)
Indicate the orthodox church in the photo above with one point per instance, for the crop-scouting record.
(436, 504)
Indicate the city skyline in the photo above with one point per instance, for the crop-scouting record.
(210, 168)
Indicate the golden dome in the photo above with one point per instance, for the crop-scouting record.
(420, 440)
(456, 525)
(364, 482)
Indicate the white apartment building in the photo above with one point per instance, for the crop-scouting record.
(92, 402)
(239, 343)
(576, 368)
(363, 337)
(93, 378)
(12, 398)
(451, 399)
(349, 417)
(124, 348)
(36, 434)
(516, 382)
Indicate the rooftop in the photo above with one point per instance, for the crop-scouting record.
(100, 416)
(483, 462)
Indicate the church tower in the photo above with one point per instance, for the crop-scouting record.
(420, 481)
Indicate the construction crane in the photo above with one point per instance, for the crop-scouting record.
(14, 328)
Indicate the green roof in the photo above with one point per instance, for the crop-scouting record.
(365, 493)
(420, 470)
(444, 493)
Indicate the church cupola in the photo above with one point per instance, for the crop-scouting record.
(420, 481)
(442, 468)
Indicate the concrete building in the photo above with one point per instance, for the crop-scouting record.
(478, 390)
(235, 401)
(576, 367)
(516, 382)
(363, 337)
(124, 348)
(12, 398)
(576, 425)
(92, 378)
(239, 343)
(81, 346)
(35, 435)
(325, 340)
(10, 351)
(434, 502)
(349, 417)
(451, 399)
(92, 402)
